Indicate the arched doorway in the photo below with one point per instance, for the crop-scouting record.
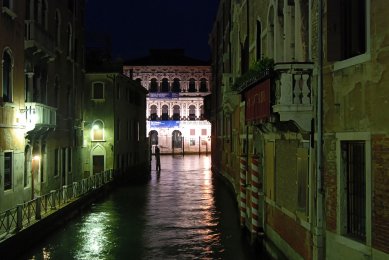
(98, 159)
(153, 135)
(176, 139)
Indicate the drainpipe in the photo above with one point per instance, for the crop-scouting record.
(318, 231)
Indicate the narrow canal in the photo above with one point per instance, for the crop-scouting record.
(181, 213)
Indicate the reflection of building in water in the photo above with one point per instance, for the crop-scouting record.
(177, 86)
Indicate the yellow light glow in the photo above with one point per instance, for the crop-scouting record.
(96, 127)
(36, 157)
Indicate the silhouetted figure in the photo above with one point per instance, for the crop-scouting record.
(157, 158)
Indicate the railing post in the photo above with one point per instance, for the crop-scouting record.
(19, 218)
(52, 197)
(38, 208)
(74, 189)
(64, 193)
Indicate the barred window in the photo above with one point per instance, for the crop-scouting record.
(354, 175)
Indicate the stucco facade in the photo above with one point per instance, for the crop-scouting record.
(114, 124)
(41, 97)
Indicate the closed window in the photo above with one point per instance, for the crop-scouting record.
(7, 77)
(98, 90)
(8, 170)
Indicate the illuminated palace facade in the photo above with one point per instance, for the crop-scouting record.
(177, 86)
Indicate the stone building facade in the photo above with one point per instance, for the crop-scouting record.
(114, 124)
(265, 124)
(176, 87)
(43, 73)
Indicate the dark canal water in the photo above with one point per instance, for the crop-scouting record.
(181, 213)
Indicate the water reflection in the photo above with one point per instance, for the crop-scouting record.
(182, 213)
(93, 236)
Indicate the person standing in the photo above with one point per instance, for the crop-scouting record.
(157, 158)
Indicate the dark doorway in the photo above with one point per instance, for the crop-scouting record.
(98, 163)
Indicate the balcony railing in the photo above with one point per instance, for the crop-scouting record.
(293, 95)
(39, 115)
(38, 39)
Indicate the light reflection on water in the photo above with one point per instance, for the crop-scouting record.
(93, 236)
(182, 213)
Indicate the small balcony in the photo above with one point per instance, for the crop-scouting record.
(293, 93)
(38, 41)
(40, 117)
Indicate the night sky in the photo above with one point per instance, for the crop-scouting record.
(135, 26)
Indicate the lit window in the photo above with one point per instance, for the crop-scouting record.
(98, 90)
(7, 77)
(192, 131)
(98, 130)
(203, 131)
(8, 170)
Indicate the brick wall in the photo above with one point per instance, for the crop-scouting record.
(330, 183)
(293, 233)
(380, 186)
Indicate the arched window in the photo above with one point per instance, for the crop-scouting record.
(57, 28)
(153, 137)
(192, 112)
(165, 85)
(70, 40)
(97, 90)
(98, 130)
(192, 85)
(176, 139)
(153, 85)
(203, 85)
(176, 112)
(153, 113)
(7, 72)
(176, 85)
(165, 112)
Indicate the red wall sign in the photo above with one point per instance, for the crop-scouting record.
(258, 102)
